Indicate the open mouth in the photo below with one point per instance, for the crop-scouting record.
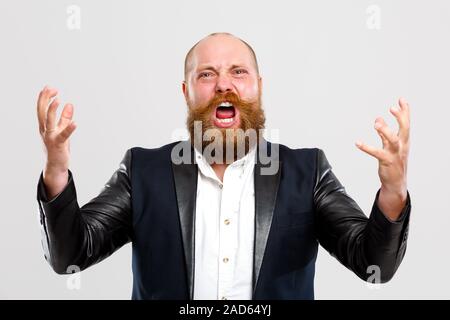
(225, 114)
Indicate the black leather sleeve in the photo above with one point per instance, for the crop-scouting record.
(81, 237)
(361, 244)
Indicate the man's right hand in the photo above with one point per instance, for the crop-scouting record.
(56, 140)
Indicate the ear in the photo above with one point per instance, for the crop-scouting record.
(260, 83)
(185, 90)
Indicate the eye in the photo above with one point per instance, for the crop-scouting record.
(205, 75)
(240, 71)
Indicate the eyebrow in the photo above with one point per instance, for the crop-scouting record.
(209, 67)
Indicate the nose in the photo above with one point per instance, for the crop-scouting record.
(224, 84)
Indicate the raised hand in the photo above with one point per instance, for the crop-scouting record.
(55, 138)
(392, 160)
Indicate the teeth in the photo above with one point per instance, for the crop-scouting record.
(225, 104)
(226, 120)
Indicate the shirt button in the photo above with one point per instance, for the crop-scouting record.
(220, 186)
(225, 260)
(227, 221)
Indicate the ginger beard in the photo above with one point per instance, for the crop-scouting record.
(227, 132)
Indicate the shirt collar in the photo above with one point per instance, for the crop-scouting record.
(247, 161)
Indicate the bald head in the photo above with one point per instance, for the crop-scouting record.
(214, 39)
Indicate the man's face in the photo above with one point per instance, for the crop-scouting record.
(222, 72)
(219, 65)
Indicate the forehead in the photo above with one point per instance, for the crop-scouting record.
(221, 50)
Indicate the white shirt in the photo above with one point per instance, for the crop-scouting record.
(224, 230)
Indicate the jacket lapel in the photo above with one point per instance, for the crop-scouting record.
(185, 177)
(266, 188)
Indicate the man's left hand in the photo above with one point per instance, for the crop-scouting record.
(392, 160)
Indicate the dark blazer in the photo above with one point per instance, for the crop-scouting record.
(150, 201)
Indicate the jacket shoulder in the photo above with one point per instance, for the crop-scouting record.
(140, 151)
(307, 154)
(150, 157)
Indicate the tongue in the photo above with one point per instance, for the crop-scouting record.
(224, 113)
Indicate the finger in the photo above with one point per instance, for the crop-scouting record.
(66, 115)
(397, 113)
(43, 101)
(404, 116)
(40, 114)
(383, 130)
(66, 132)
(374, 152)
(51, 115)
(384, 140)
(403, 104)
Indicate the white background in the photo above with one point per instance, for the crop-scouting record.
(327, 75)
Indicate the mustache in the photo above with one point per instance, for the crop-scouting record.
(251, 114)
(231, 97)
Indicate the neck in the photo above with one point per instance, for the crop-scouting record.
(219, 169)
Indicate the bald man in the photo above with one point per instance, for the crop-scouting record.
(225, 214)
